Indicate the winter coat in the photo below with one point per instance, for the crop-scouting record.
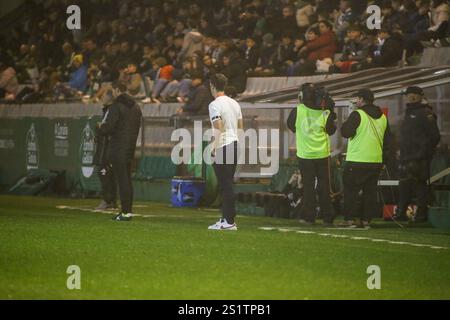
(122, 124)
(193, 41)
(322, 47)
(419, 133)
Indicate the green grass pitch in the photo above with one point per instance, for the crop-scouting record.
(170, 254)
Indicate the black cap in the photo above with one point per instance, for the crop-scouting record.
(366, 94)
(414, 90)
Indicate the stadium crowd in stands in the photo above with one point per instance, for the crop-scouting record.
(157, 48)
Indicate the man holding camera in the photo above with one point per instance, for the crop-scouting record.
(313, 121)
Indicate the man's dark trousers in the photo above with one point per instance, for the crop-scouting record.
(365, 179)
(225, 167)
(122, 172)
(311, 169)
(414, 177)
(108, 182)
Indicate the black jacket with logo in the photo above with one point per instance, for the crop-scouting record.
(122, 124)
(101, 144)
(419, 133)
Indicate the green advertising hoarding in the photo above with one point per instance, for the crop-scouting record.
(53, 144)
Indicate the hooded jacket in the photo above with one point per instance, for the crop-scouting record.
(193, 41)
(350, 127)
(391, 52)
(122, 124)
(236, 72)
(199, 99)
(419, 133)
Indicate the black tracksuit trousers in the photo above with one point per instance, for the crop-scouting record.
(414, 175)
(312, 169)
(108, 183)
(224, 166)
(357, 179)
(122, 172)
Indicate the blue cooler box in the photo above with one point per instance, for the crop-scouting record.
(187, 191)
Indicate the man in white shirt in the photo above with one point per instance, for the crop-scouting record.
(226, 118)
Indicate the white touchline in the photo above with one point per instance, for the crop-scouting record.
(343, 236)
(110, 212)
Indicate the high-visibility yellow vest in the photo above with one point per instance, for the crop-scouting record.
(312, 140)
(367, 145)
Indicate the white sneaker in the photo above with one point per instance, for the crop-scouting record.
(222, 224)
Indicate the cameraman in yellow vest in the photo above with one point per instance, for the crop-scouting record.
(313, 121)
(369, 137)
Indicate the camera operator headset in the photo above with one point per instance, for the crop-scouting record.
(313, 121)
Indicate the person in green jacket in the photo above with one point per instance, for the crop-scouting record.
(313, 122)
(367, 129)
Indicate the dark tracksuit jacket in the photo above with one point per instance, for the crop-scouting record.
(104, 169)
(199, 100)
(122, 124)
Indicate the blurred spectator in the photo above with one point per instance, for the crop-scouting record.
(343, 20)
(26, 65)
(162, 76)
(192, 42)
(69, 54)
(251, 52)
(418, 23)
(388, 52)
(305, 13)
(247, 23)
(235, 69)
(283, 54)
(288, 23)
(77, 83)
(133, 81)
(95, 77)
(9, 85)
(210, 67)
(439, 24)
(439, 16)
(212, 48)
(180, 29)
(265, 64)
(387, 15)
(90, 51)
(125, 53)
(356, 50)
(321, 48)
(78, 78)
(208, 28)
(199, 97)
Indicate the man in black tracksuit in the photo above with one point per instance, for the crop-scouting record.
(122, 124)
(419, 137)
(103, 166)
(370, 145)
